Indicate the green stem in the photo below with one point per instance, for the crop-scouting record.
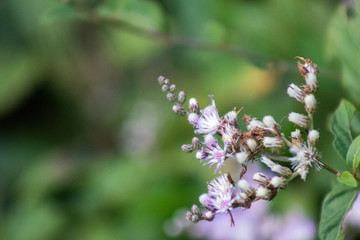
(330, 169)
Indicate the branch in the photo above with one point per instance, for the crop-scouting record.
(190, 43)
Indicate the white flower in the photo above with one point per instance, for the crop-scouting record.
(220, 196)
(299, 119)
(252, 144)
(272, 142)
(255, 123)
(311, 81)
(283, 171)
(193, 118)
(269, 122)
(231, 117)
(242, 157)
(313, 137)
(261, 178)
(305, 156)
(277, 182)
(295, 92)
(310, 102)
(244, 186)
(209, 120)
(263, 193)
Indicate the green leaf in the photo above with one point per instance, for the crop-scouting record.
(348, 179)
(336, 204)
(340, 127)
(353, 154)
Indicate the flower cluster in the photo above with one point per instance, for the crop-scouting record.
(223, 139)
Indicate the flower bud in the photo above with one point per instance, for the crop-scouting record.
(310, 103)
(263, 193)
(189, 216)
(188, 148)
(242, 157)
(245, 186)
(179, 110)
(311, 81)
(277, 182)
(313, 137)
(195, 209)
(299, 119)
(269, 122)
(208, 216)
(171, 97)
(273, 142)
(295, 92)
(261, 179)
(193, 105)
(196, 143)
(182, 97)
(252, 144)
(193, 118)
(161, 80)
(172, 88)
(231, 117)
(166, 81)
(165, 88)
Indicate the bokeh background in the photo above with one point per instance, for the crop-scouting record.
(89, 146)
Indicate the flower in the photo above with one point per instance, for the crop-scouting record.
(299, 119)
(305, 156)
(220, 196)
(295, 92)
(214, 154)
(209, 121)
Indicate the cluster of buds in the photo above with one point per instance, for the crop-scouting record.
(223, 139)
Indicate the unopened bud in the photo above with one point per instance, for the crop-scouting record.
(167, 81)
(196, 143)
(188, 148)
(182, 97)
(179, 110)
(245, 186)
(195, 209)
(269, 121)
(171, 97)
(313, 137)
(299, 119)
(189, 216)
(195, 218)
(252, 144)
(295, 92)
(242, 157)
(310, 103)
(193, 118)
(165, 88)
(311, 81)
(261, 179)
(208, 216)
(172, 88)
(231, 117)
(277, 182)
(161, 80)
(263, 193)
(193, 105)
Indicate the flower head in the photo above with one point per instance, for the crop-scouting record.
(209, 121)
(220, 196)
(305, 157)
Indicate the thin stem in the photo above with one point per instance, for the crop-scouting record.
(330, 169)
(191, 43)
(277, 158)
(292, 177)
(311, 121)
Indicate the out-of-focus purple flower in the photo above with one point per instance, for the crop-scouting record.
(352, 218)
(209, 121)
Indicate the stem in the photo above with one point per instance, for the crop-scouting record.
(293, 175)
(311, 121)
(277, 158)
(190, 43)
(330, 169)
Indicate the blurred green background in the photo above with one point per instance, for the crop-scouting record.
(89, 146)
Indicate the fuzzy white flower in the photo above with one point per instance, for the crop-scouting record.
(305, 156)
(209, 121)
(310, 102)
(299, 119)
(252, 144)
(295, 92)
(273, 142)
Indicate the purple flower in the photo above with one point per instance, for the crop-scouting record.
(214, 154)
(209, 121)
(220, 196)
